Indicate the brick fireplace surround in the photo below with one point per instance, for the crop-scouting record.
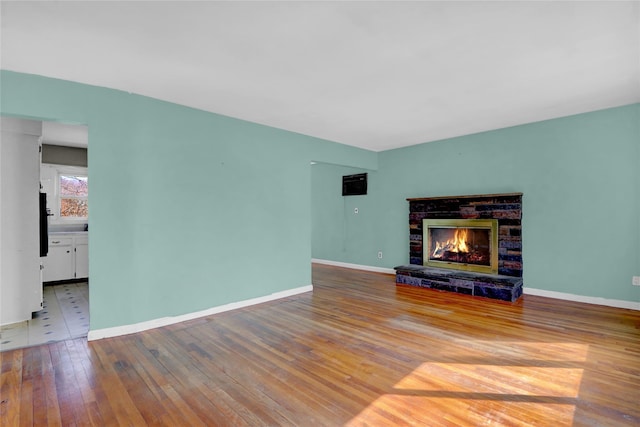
(506, 208)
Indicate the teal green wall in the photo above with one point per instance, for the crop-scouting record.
(188, 210)
(337, 232)
(581, 184)
(191, 210)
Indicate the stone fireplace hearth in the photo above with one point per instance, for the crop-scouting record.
(466, 244)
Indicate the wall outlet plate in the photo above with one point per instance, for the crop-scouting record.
(635, 281)
(380, 255)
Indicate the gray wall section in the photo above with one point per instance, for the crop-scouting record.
(70, 156)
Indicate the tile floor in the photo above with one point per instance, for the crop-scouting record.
(65, 315)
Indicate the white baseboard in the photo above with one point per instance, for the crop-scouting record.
(581, 298)
(164, 321)
(530, 291)
(354, 266)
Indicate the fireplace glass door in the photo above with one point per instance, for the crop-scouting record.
(461, 244)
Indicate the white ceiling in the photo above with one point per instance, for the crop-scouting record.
(376, 75)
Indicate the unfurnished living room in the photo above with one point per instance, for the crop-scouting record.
(320, 213)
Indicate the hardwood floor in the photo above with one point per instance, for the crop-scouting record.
(355, 351)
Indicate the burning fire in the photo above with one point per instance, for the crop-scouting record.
(456, 245)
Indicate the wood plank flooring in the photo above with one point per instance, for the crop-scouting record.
(355, 351)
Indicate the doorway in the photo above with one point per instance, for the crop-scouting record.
(64, 271)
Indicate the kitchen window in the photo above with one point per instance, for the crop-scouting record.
(73, 196)
(67, 189)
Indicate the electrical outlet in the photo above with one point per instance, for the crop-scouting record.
(355, 210)
(380, 255)
(635, 281)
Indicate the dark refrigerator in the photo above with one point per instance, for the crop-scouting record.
(44, 230)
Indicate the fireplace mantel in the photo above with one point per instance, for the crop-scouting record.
(473, 196)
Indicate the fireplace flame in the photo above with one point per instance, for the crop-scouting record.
(457, 244)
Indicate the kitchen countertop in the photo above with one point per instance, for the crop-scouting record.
(60, 233)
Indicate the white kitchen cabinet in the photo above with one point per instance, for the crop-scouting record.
(82, 257)
(68, 257)
(59, 262)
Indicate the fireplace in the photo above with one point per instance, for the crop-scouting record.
(461, 244)
(466, 244)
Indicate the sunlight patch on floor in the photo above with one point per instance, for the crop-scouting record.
(492, 383)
